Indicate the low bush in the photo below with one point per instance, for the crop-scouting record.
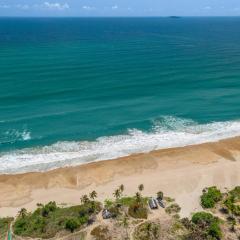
(203, 218)
(207, 226)
(101, 233)
(173, 208)
(235, 193)
(72, 224)
(147, 231)
(138, 210)
(232, 200)
(210, 197)
(215, 231)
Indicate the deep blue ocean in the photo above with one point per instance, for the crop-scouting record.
(74, 90)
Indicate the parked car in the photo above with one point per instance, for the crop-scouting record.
(152, 203)
(106, 214)
(161, 203)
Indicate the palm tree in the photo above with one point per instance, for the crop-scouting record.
(84, 199)
(22, 213)
(93, 195)
(117, 194)
(138, 197)
(121, 188)
(141, 187)
(160, 195)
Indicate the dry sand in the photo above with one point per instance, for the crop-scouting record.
(181, 173)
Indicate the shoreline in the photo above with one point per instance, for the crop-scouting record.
(180, 172)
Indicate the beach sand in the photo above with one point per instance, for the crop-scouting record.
(181, 173)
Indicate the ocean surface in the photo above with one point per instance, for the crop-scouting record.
(76, 90)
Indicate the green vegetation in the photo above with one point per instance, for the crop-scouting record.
(135, 206)
(138, 207)
(128, 215)
(137, 210)
(204, 226)
(147, 231)
(232, 201)
(47, 220)
(72, 224)
(101, 233)
(4, 226)
(169, 199)
(203, 218)
(173, 208)
(160, 195)
(210, 197)
(127, 201)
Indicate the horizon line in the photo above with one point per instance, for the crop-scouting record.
(140, 16)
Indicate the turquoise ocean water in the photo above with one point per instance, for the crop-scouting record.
(75, 90)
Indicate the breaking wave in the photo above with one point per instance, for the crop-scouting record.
(167, 132)
(15, 135)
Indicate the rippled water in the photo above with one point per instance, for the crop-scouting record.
(80, 90)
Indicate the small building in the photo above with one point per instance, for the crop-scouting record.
(106, 214)
(152, 203)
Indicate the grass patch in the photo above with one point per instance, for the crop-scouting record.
(48, 220)
(128, 201)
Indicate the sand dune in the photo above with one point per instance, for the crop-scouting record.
(180, 172)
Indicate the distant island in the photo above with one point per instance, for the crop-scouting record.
(174, 17)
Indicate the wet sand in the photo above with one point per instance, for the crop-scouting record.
(181, 173)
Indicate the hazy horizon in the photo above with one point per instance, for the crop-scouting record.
(117, 8)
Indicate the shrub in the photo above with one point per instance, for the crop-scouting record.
(231, 200)
(235, 193)
(186, 223)
(101, 233)
(202, 217)
(138, 210)
(147, 231)
(215, 231)
(210, 197)
(72, 224)
(20, 226)
(50, 207)
(173, 208)
(169, 199)
(207, 224)
(114, 210)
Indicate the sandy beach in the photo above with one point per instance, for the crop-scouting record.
(181, 173)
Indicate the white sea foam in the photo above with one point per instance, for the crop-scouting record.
(166, 133)
(17, 135)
